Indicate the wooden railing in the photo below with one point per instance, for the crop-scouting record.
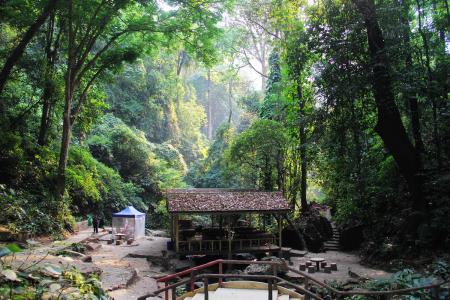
(224, 245)
(273, 281)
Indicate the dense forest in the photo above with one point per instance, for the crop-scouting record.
(107, 103)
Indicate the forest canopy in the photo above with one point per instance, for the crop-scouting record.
(105, 104)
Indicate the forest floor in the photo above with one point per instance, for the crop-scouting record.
(129, 271)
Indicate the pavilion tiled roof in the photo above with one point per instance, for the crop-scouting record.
(224, 200)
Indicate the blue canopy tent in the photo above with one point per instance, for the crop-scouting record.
(129, 222)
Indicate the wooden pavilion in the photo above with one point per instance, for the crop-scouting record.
(229, 229)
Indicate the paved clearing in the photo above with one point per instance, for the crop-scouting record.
(345, 262)
(129, 271)
(125, 271)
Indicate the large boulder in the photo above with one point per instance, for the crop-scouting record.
(351, 237)
(314, 227)
(262, 269)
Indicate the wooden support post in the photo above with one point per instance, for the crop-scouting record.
(264, 222)
(171, 227)
(220, 272)
(205, 288)
(166, 293)
(437, 292)
(307, 297)
(174, 293)
(177, 234)
(229, 248)
(275, 273)
(229, 237)
(191, 282)
(280, 228)
(270, 289)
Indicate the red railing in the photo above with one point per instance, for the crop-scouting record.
(273, 279)
(191, 272)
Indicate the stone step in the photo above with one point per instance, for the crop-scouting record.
(241, 294)
(298, 253)
(332, 242)
(331, 247)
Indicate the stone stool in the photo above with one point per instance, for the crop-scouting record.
(302, 267)
(118, 242)
(323, 264)
(333, 266)
(311, 269)
(327, 269)
(308, 263)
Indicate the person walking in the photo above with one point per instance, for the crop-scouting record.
(95, 223)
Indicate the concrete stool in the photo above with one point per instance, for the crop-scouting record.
(333, 266)
(118, 242)
(110, 241)
(311, 269)
(308, 263)
(323, 264)
(327, 269)
(302, 267)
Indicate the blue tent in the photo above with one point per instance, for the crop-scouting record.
(129, 223)
(130, 212)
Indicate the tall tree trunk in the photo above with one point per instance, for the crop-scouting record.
(430, 93)
(302, 146)
(267, 173)
(48, 99)
(411, 94)
(209, 100)
(263, 69)
(45, 114)
(17, 53)
(230, 101)
(280, 171)
(68, 98)
(389, 125)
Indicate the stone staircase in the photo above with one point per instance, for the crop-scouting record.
(241, 294)
(333, 243)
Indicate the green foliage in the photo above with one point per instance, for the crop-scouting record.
(45, 281)
(95, 187)
(403, 279)
(260, 147)
(149, 168)
(26, 212)
(214, 170)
